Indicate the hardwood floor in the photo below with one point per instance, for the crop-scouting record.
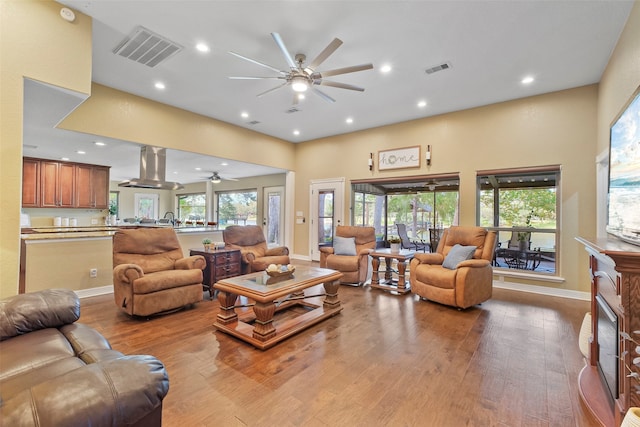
(384, 361)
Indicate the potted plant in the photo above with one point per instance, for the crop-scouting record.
(207, 244)
(394, 243)
(113, 212)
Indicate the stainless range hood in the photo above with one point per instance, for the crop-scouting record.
(153, 162)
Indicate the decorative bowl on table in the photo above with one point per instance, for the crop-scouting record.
(279, 270)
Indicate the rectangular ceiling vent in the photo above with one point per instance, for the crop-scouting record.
(437, 68)
(146, 47)
(292, 110)
(253, 122)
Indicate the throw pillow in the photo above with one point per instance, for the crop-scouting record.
(456, 255)
(344, 245)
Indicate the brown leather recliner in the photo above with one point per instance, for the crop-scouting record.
(256, 256)
(150, 273)
(470, 282)
(354, 266)
(56, 372)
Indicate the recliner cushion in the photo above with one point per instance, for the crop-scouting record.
(161, 280)
(457, 254)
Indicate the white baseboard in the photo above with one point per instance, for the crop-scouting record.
(93, 292)
(543, 290)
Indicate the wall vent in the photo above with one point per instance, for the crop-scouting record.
(146, 47)
(437, 68)
(292, 110)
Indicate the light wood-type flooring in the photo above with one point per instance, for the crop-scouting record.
(385, 360)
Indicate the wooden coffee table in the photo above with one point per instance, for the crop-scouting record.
(272, 295)
(400, 285)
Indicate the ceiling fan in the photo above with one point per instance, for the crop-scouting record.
(216, 178)
(303, 76)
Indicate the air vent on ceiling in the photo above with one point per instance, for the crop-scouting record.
(437, 68)
(29, 146)
(146, 47)
(292, 110)
(253, 122)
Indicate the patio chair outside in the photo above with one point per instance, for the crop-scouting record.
(407, 243)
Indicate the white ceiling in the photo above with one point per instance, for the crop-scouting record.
(490, 45)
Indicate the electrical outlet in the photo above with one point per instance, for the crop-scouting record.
(93, 272)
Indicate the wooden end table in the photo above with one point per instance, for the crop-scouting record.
(400, 285)
(272, 295)
(221, 263)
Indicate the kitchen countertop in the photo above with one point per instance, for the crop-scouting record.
(46, 233)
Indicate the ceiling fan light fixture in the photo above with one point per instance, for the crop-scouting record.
(299, 84)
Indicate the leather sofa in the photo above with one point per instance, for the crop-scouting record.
(256, 256)
(56, 372)
(151, 274)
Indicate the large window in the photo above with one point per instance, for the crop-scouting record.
(192, 207)
(522, 205)
(237, 208)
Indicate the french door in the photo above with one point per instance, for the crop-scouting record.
(326, 212)
(273, 215)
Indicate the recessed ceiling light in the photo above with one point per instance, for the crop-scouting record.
(422, 104)
(202, 47)
(224, 164)
(385, 68)
(244, 114)
(198, 169)
(64, 158)
(81, 152)
(296, 132)
(100, 143)
(159, 85)
(349, 120)
(527, 80)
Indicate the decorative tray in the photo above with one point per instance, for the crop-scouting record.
(279, 273)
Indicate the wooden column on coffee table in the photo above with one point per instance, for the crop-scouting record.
(401, 285)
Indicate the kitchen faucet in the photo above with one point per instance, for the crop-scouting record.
(171, 216)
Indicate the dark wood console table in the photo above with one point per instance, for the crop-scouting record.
(615, 276)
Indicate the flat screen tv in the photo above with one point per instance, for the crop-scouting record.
(623, 219)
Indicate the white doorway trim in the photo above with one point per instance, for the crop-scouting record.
(336, 185)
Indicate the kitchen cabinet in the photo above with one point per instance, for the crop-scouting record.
(53, 184)
(92, 186)
(30, 183)
(57, 184)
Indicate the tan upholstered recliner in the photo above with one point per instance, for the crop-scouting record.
(150, 273)
(256, 256)
(352, 262)
(470, 282)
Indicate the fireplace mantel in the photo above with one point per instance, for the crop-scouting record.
(615, 275)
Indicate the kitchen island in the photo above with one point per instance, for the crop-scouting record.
(81, 258)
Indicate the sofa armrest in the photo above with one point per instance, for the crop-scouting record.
(109, 393)
(194, 262)
(277, 251)
(32, 311)
(431, 258)
(474, 263)
(364, 252)
(127, 273)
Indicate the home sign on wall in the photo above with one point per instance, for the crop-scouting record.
(398, 158)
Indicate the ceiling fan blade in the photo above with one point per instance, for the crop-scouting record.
(284, 50)
(229, 179)
(340, 85)
(255, 78)
(344, 70)
(271, 90)
(262, 64)
(322, 95)
(331, 47)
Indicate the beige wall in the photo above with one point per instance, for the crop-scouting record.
(557, 128)
(36, 43)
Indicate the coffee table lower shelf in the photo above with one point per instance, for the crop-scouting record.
(245, 328)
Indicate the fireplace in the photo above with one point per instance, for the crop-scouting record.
(608, 345)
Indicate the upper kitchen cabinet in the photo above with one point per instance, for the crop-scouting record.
(57, 184)
(92, 184)
(30, 183)
(53, 184)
